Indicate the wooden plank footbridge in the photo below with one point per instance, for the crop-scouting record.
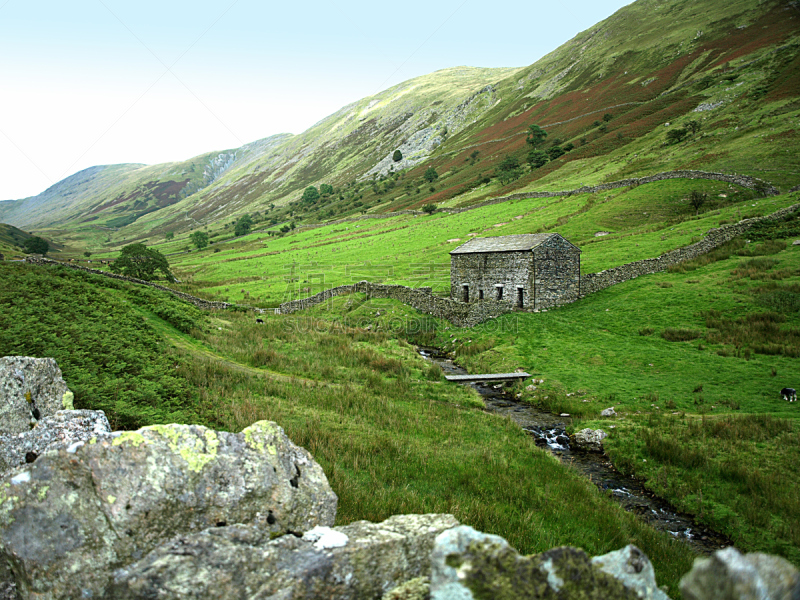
(488, 378)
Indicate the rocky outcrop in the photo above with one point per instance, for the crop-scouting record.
(360, 560)
(588, 440)
(468, 564)
(730, 575)
(30, 388)
(68, 519)
(67, 430)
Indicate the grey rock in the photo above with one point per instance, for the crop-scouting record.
(590, 440)
(8, 589)
(67, 520)
(415, 589)
(467, 564)
(30, 388)
(608, 412)
(67, 429)
(796, 243)
(730, 575)
(632, 567)
(360, 560)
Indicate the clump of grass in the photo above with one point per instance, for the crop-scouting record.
(674, 334)
(475, 348)
(754, 269)
(664, 284)
(646, 331)
(763, 333)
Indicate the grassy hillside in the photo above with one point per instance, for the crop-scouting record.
(391, 435)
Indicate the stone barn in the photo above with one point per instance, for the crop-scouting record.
(532, 270)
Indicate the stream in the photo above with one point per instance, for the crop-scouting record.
(549, 431)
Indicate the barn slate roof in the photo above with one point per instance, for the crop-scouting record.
(505, 243)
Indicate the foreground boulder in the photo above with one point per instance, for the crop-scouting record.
(358, 561)
(30, 388)
(66, 429)
(729, 575)
(69, 519)
(467, 564)
(589, 440)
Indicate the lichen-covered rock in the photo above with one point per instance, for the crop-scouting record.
(590, 440)
(67, 520)
(415, 589)
(66, 429)
(30, 388)
(466, 564)
(608, 412)
(632, 567)
(729, 575)
(357, 561)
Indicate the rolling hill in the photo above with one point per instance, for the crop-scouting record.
(724, 73)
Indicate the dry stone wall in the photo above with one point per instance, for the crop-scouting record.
(458, 313)
(594, 282)
(745, 181)
(198, 302)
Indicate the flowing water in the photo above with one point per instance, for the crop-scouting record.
(549, 431)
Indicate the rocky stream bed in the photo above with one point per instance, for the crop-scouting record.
(550, 432)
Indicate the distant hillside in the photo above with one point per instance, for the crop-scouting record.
(659, 85)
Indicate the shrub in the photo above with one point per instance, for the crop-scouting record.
(673, 334)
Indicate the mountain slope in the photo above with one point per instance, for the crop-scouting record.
(608, 98)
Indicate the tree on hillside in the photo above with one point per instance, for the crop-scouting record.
(310, 195)
(430, 175)
(397, 156)
(675, 136)
(87, 254)
(243, 226)
(697, 199)
(36, 245)
(555, 152)
(169, 235)
(199, 239)
(508, 170)
(429, 209)
(326, 189)
(141, 262)
(536, 135)
(537, 158)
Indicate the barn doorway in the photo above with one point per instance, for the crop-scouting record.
(519, 297)
(465, 293)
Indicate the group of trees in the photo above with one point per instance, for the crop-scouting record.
(36, 245)
(676, 135)
(141, 262)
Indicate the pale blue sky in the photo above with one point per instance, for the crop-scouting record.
(88, 82)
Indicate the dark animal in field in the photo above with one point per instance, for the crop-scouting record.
(789, 394)
(261, 321)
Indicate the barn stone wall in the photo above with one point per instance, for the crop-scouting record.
(557, 273)
(487, 272)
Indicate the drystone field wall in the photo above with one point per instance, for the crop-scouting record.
(594, 282)
(472, 313)
(198, 302)
(459, 313)
(745, 181)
